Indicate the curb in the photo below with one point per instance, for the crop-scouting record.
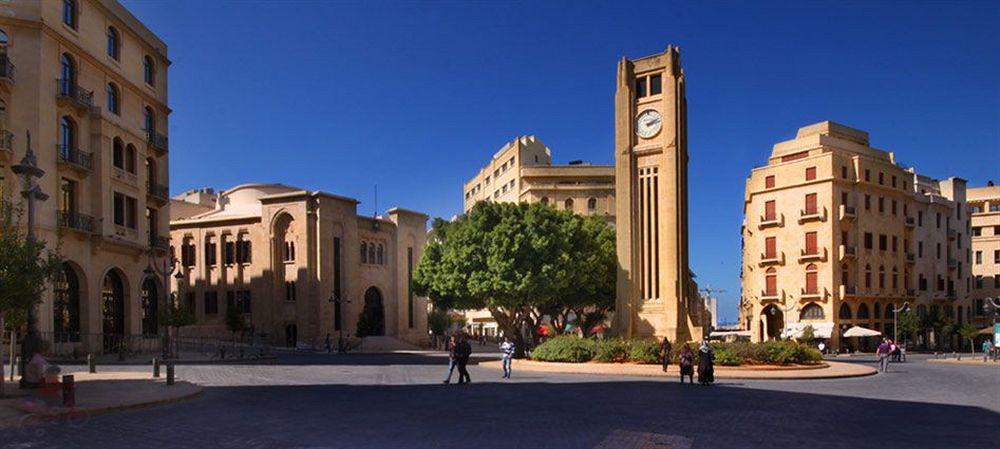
(72, 362)
(720, 374)
(97, 411)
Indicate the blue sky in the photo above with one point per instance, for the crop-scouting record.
(415, 97)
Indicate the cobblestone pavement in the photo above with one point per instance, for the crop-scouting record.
(397, 400)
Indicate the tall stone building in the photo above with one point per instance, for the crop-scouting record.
(836, 234)
(299, 265)
(984, 204)
(656, 292)
(89, 82)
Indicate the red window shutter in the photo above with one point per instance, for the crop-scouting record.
(810, 173)
(811, 203)
(811, 243)
(769, 210)
(811, 286)
(772, 285)
(769, 182)
(770, 247)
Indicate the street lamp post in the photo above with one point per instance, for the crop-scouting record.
(338, 302)
(895, 311)
(164, 269)
(28, 168)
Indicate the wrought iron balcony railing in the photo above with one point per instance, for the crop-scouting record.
(76, 221)
(156, 140)
(158, 191)
(71, 91)
(75, 157)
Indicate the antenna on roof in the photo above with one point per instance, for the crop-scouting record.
(375, 213)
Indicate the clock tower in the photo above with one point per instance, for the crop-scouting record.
(655, 294)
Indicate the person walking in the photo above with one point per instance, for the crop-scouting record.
(687, 363)
(328, 347)
(450, 346)
(882, 354)
(463, 350)
(706, 366)
(665, 353)
(507, 350)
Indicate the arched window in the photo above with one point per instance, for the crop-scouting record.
(845, 312)
(130, 159)
(118, 154)
(868, 276)
(149, 120)
(148, 70)
(114, 105)
(812, 286)
(67, 74)
(921, 311)
(151, 170)
(381, 255)
(811, 311)
(878, 310)
(844, 275)
(66, 305)
(863, 312)
(114, 44)
(771, 282)
(592, 204)
(881, 276)
(364, 252)
(3, 38)
(371, 253)
(67, 136)
(69, 13)
(545, 200)
(568, 204)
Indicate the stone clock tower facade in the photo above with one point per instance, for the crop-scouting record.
(656, 295)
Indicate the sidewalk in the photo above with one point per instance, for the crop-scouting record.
(96, 394)
(968, 359)
(827, 370)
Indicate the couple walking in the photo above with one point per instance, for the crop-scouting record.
(706, 361)
(459, 351)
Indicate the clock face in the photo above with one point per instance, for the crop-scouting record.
(648, 123)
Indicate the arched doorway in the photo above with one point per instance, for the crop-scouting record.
(113, 309)
(372, 321)
(66, 305)
(775, 320)
(149, 308)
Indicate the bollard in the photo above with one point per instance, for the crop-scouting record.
(91, 363)
(170, 373)
(957, 356)
(69, 391)
(156, 367)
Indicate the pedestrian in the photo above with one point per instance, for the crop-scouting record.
(706, 367)
(507, 351)
(463, 350)
(892, 349)
(665, 353)
(882, 353)
(328, 348)
(687, 363)
(822, 348)
(451, 358)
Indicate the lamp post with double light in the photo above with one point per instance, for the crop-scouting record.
(895, 311)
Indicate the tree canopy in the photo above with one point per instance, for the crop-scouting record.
(521, 262)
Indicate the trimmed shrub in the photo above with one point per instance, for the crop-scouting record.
(566, 348)
(644, 351)
(612, 350)
(727, 356)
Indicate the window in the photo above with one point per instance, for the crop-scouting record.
(812, 286)
(894, 243)
(892, 209)
(996, 258)
(149, 119)
(920, 218)
(568, 204)
(868, 175)
(69, 13)
(863, 312)
(920, 249)
(883, 242)
(771, 282)
(895, 278)
(114, 43)
(769, 182)
(67, 137)
(380, 253)
(868, 240)
(67, 196)
(770, 248)
(881, 276)
(977, 231)
(211, 303)
(845, 312)
(811, 312)
(210, 252)
(979, 281)
(187, 253)
(868, 276)
(922, 282)
(881, 205)
(810, 173)
(289, 254)
(881, 178)
(189, 302)
(845, 277)
(938, 220)
(125, 209)
(655, 85)
(592, 204)
(336, 285)
(811, 243)
(3, 38)
(290, 291)
(118, 154)
(364, 252)
(130, 158)
(868, 202)
(113, 101)
(769, 213)
(641, 87)
(938, 250)
(811, 204)
(843, 172)
(243, 253)
(148, 70)
(979, 257)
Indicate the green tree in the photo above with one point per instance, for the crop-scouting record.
(174, 317)
(520, 262)
(908, 323)
(26, 268)
(234, 321)
(969, 332)
(808, 335)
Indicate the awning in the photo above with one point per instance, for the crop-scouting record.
(858, 331)
(985, 331)
(820, 330)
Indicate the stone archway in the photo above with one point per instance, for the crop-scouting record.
(66, 294)
(774, 319)
(113, 310)
(372, 320)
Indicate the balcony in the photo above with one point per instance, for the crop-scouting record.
(815, 254)
(952, 264)
(6, 143)
(848, 252)
(76, 222)
(952, 234)
(68, 92)
(6, 71)
(770, 296)
(124, 176)
(807, 215)
(159, 242)
(768, 221)
(911, 258)
(772, 259)
(847, 212)
(156, 140)
(911, 222)
(158, 192)
(951, 295)
(812, 295)
(81, 161)
(848, 291)
(911, 293)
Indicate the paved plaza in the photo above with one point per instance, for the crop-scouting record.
(397, 400)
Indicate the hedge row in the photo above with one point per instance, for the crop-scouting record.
(574, 349)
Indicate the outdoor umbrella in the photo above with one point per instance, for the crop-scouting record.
(858, 331)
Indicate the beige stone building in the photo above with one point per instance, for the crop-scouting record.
(521, 171)
(299, 265)
(836, 233)
(984, 204)
(656, 292)
(89, 82)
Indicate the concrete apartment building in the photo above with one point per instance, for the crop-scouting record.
(837, 234)
(984, 204)
(522, 171)
(299, 265)
(89, 82)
